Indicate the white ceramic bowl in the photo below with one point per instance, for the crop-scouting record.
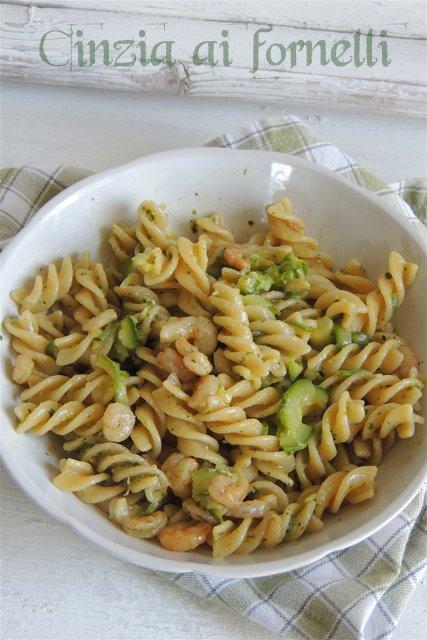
(347, 220)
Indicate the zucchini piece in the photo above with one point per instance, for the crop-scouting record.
(297, 401)
(293, 369)
(360, 338)
(322, 335)
(120, 351)
(259, 301)
(342, 336)
(117, 375)
(201, 480)
(107, 331)
(260, 261)
(127, 333)
(217, 512)
(265, 428)
(254, 282)
(347, 373)
(269, 428)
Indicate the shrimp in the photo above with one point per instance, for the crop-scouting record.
(209, 393)
(132, 519)
(229, 490)
(178, 469)
(201, 331)
(117, 422)
(184, 536)
(233, 256)
(195, 361)
(172, 362)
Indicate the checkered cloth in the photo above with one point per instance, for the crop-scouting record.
(355, 593)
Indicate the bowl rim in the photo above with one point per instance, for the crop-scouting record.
(145, 558)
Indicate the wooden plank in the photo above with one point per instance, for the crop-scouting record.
(398, 87)
(405, 19)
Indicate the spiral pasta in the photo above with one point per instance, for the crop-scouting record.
(235, 332)
(27, 341)
(285, 228)
(383, 302)
(298, 517)
(384, 357)
(123, 242)
(211, 392)
(152, 229)
(61, 419)
(212, 229)
(157, 265)
(191, 435)
(47, 288)
(191, 274)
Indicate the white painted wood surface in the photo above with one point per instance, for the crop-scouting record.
(399, 87)
(57, 586)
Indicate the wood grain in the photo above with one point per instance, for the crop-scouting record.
(399, 87)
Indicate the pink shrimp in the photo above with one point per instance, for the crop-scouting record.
(184, 536)
(233, 256)
(172, 362)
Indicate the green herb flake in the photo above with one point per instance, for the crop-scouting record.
(50, 349)
(257, 334)
(128, 268)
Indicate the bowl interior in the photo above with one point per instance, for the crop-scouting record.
(347, 223)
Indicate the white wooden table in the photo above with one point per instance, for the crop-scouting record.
(57, 586)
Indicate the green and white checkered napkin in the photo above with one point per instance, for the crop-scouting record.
(356, 593)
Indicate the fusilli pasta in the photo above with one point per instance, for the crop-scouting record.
(213, 393)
